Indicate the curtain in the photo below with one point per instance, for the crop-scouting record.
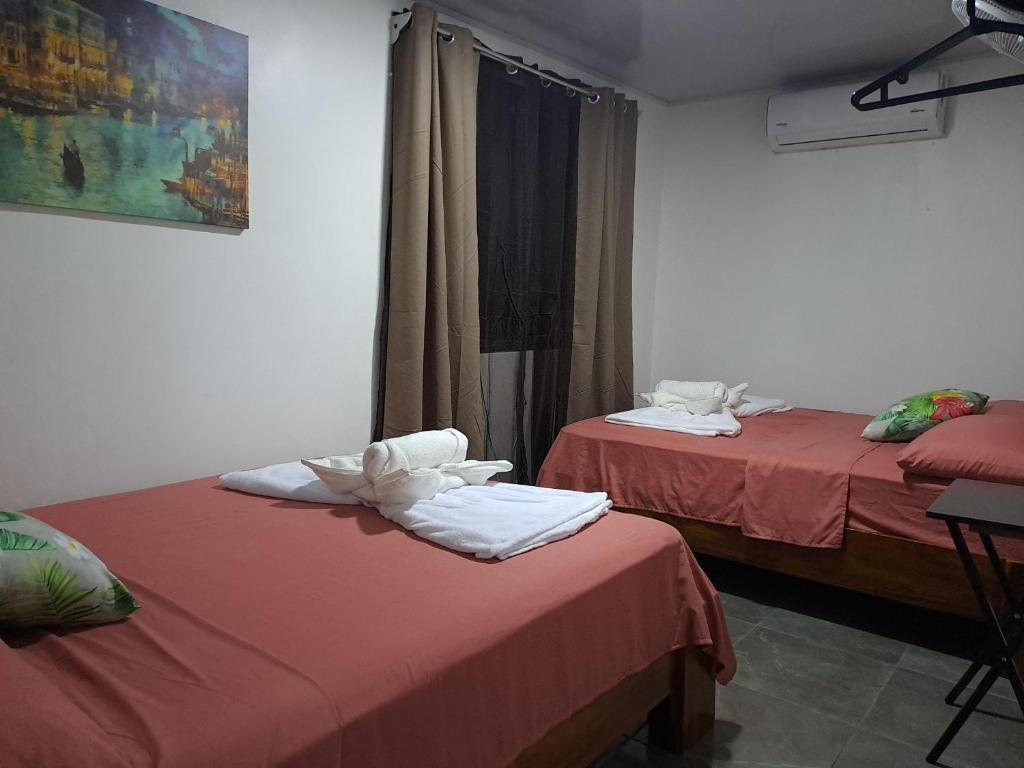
(601, 377)
(527, 136)
(430, 335)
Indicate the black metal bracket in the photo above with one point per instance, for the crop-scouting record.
(902, 73)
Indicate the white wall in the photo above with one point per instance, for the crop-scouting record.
(844, 278)
(133, 354)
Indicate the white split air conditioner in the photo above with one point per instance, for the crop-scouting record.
(824, 118)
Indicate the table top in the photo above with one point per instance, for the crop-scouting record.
(987, 507)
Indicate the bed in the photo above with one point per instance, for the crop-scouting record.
(730, 500)
(281, 633)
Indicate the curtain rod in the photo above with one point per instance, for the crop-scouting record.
(514, 66)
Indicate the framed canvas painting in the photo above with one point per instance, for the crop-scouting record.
(123, 107)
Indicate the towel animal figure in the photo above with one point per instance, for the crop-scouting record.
(700, 398)
(401, 470)
(424, 483)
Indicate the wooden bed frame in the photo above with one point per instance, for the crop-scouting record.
(675, 694)
(909, 572)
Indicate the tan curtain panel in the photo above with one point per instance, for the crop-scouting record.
(601, 378)
(431, 354)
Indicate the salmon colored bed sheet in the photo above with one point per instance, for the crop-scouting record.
(858, 486)
(282, 633)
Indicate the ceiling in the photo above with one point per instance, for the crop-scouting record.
(680, 50)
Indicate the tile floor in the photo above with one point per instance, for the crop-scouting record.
(832, 679)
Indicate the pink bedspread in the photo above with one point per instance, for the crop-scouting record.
(785, 478)
(798, 484)
(706, 478)
(282, 633)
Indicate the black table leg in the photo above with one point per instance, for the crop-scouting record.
(1014, 610)
(965, 711)
(1005, 641)
(1013, 625)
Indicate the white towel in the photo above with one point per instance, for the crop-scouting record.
(752, 405)
(347, 475)
(674, 403)
(723, 423)
(500, 520)
(701, 398)
(423, 450)
(692, 390)
(285, 481)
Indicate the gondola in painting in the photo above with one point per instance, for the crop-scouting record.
(123, 107)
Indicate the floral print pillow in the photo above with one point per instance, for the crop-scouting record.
(48, 579)
(915, 415)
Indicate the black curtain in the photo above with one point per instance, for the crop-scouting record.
(527, 140)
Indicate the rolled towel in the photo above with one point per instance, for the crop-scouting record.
(423, 450)
(693, 390)
(674, 403)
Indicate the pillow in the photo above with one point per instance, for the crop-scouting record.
(48, 579)
(990, 447)
(913, 416)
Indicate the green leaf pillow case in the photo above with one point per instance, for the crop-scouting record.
(912, 416)
(48, 579)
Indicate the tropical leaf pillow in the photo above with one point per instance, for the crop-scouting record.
(48, 579)
(912, 416)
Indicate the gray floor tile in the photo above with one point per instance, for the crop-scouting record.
(947, 668)
(738, 628)
(835, 635)
(833, 682)
(868, 750)
(911, 710)
(741, 608)
(752, 728)
(636, 753)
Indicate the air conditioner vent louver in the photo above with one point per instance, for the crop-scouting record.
(989, 10)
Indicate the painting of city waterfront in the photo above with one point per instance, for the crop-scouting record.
(123, 107)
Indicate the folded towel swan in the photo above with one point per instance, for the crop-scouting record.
(700, 398)
(424, 483)
(704, 398)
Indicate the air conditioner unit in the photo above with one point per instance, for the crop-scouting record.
(823, 118)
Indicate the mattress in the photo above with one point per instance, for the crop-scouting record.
(282, 633)
(705, 478)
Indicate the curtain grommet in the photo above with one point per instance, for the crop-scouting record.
(511, 69)
(570, 92)
(594, 97)
(447, 37)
